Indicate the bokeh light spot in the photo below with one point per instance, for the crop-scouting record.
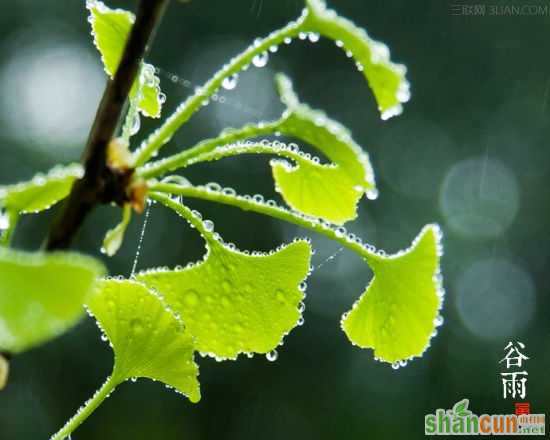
(495, 299)
(479, 198)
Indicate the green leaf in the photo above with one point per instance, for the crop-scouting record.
(328, 191)
(111, 29)
(114, 237)
(386, 79)
(41, 295)
(147, 338)
(461, 408)
(396, 316)
(232, 302)
(42, 191)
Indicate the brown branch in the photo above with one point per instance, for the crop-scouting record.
(101, 184)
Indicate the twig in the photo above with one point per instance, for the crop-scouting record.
(100, 183)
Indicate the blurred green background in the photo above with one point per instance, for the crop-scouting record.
(470, 152)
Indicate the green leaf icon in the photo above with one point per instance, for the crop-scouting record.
(461, 408)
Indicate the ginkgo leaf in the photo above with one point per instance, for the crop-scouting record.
(148, 340)
(386, 79)
(328, 191)
(41, 295)
(42, 191)
(111, 29)
(114, 237)
(397, 314)
(232, 302)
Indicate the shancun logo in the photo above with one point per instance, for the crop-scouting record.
(461, 421)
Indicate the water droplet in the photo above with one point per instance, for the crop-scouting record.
(208, 225)
(438, 321)
(261, 59)
(300, 321)
(191, 298)
(272, 356)
(395, 365)
(372, 194)
(230, 82)
(137, 326)
(4, 221)
(313, 37)
(135, 124)
(340, 231)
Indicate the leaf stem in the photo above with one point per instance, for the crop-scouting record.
(182, 114)
(87, 409)
(182, 159)
(246, 203)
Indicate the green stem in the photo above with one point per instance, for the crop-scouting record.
(180, 160)
(85, 411)
(234, 150)
(182, 114)
(248, 204)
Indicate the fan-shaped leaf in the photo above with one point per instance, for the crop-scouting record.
(396, 316)
(386, 79)
(42, 191)
(41, 295)
(232, 302)
(327, 191)
(110, 29)
(147, 338)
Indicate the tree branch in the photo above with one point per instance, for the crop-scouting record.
(101, 184)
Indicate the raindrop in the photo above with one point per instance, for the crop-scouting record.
(395, 365)
(438, 321)
(208, 225)
(135, 124)
(313, 37)
(340, 231)
(4, 221)
(372, 194)
(272, 356)
(230, 82)
(261, 59)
